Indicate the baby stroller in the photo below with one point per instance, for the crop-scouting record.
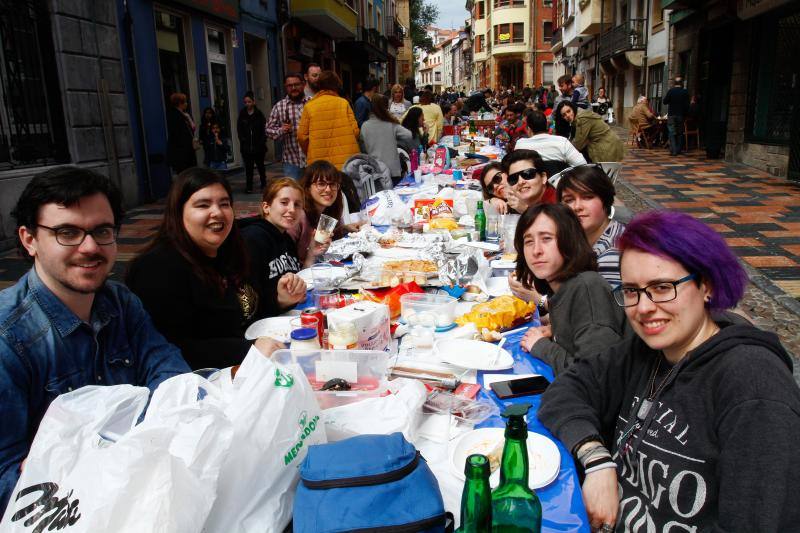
(369, 175)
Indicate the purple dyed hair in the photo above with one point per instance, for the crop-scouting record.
(700, 249)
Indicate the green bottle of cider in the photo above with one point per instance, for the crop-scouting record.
(476, 499)
(480, 221)
(515, 507)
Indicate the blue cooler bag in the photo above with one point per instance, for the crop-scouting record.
(367, 483)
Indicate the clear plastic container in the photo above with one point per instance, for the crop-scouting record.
(428, 309)
(369, 368)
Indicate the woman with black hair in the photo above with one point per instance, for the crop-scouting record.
(414, 121)
(193, 278)
(554, 257)
(590, 135)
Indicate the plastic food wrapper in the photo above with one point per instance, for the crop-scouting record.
(465, 410)
(398, 411)
(385, 206)
(391, 297)
(426, 209)
(503, 312)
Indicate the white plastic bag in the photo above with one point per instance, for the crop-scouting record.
(384, 206)
(91, 469)
(276, 418)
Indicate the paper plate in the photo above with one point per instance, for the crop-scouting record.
(498, 286)
(276, 327)
(544, 459)
(477, 355)
(308, 277)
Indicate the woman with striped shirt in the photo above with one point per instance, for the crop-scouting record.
(589, 192)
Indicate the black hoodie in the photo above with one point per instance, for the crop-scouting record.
(718, 449)
(273, 253)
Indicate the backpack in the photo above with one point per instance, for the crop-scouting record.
(367, 483)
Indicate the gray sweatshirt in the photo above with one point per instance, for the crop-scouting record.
(380, 140)
(584, 319)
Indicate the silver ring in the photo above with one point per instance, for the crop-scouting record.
(607, 528)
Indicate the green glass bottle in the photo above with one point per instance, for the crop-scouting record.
(480, 222)
(472, 129)
(515, 507)
(476, 499)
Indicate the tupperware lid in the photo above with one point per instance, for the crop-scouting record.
(304, 334)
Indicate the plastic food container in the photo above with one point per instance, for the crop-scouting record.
(428, 309)
(364, 370)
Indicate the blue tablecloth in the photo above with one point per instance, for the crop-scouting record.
(562, 503)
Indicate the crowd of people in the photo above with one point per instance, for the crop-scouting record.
(677, 410)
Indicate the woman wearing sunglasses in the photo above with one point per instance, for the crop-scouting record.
(693, 423)
(554, 257)
(589, 192)
(493, 183)
(527, 180)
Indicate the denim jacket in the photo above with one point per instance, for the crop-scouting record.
(46, 350)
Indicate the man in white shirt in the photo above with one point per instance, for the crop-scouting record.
(556, 151)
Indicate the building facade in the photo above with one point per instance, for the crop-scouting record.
(511, 42)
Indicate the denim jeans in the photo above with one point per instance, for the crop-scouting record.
(675, 129)
(218, 165)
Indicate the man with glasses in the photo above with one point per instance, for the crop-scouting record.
(282, 125)
(527, 180)
(63, 325)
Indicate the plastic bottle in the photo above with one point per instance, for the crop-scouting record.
(480, 221)
(414, 160)
(515, 507)
(476, 498)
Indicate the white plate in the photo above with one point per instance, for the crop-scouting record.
(544, 459)
(308, 277)
(476, 355)
(276, 327)
(498, 286)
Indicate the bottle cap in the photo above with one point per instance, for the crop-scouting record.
(304, 334)
(477, 466)
(516, 427)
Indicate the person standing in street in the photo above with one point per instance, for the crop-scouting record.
(283, 121)
(252, 139)
(180, 134)
(312, 79)
(677, 98)
(363, 103)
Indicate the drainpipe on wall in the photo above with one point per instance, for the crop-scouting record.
(646, 44)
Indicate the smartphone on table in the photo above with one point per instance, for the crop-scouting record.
(520, 387)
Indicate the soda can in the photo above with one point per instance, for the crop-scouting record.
(319, 319)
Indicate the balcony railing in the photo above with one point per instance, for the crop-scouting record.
(396, 33)
(557, 36)
(623, 38)
(508, 3)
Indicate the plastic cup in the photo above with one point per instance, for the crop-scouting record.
(509, 229)
(325, 228)
(322, 275)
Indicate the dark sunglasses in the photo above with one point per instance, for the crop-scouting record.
(497, 179)
(527, 174)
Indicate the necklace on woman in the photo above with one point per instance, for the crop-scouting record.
(647, 403)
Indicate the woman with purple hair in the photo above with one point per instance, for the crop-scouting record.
(693, 424)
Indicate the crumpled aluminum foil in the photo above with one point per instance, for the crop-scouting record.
(458, 270)
(343, 248)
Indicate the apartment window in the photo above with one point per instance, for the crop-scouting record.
(547, 74)
(547, 3)
(508, 3)
(480, 41)
(438, 76)
(657, 15)
(547, 31)
(655, 86)
(480, 10)
(509, 33)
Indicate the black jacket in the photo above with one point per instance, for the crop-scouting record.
(206, 326)
(717, 450)
(180, 145)
(677, 98)
(272, 254)
(251, 130)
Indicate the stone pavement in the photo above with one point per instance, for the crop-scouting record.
(758, 215)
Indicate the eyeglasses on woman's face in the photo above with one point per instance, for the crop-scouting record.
(658, 292)
(325, 184)
(527, 174)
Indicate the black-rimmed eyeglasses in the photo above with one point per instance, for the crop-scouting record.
(74, 236)
(527, 174)
(659, 292)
